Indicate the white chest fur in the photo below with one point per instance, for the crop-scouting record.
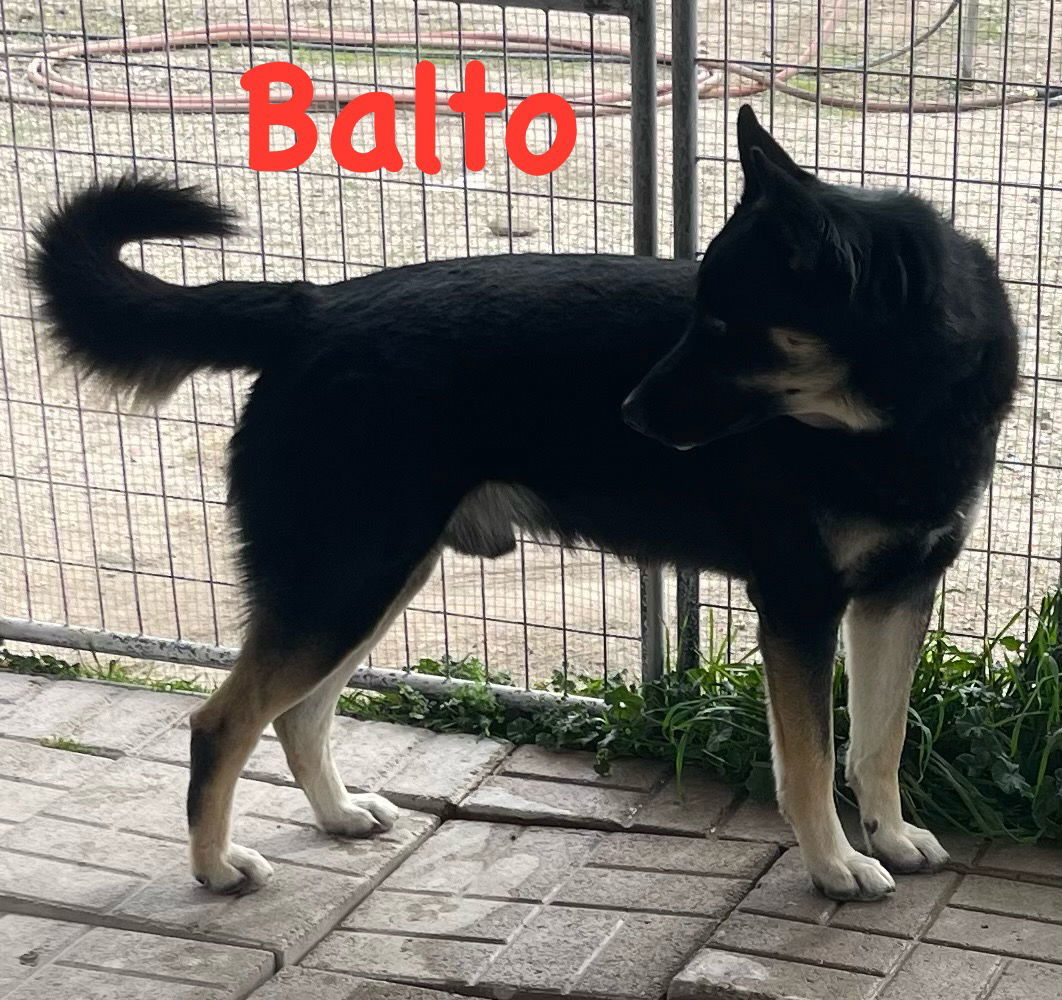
(853, 542)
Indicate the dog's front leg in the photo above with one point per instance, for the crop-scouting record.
(883, 636)
(799, 657)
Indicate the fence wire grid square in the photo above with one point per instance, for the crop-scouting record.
(115, 519)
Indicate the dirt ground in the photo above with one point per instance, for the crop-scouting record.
(116, 519)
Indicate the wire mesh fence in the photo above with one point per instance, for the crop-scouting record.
(958, 101)
(115, 520)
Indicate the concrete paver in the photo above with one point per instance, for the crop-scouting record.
(15, 687)
(758, 820)
(100, 838)
(109, 717)
(457, 917)
(29, 943)
(34, 764)
(810, 943)
(52, 959)
(313, 984)
(288, 916)
(932, 972)
(528, 800)
(1016, 899)
(487, 906)
(632, 774)
(19, 800)
(963, 850)
(1023, 980)
(636, 795)
(32, 777)
(642, 956)
(692, 807)
(786, 891)
(715, 975)
(633, 889)
(905, 913)
(1001, 935)
(682, 854)
(1023, 860)
(131, 874)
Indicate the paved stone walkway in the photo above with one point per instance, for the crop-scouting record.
(513, 873)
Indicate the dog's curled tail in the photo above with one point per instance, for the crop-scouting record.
(136, 331)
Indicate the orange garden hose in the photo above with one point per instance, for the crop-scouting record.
(54, 90)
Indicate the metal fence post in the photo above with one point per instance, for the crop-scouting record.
(643, 126)
(644, 197)
(684, 199)
(971, 15)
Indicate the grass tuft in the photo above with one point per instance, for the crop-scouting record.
(66, 743)
(112, 671)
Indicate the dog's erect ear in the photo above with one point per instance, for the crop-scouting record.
(813, 239)
(753, 138)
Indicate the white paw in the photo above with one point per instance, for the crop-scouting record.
(851, 876)
(361, 816)
(906, 849)
(235, 872)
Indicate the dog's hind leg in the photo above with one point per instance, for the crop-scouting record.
(268, 678)
(883, 637)
(305, 733)
(276, 673)
(798, 657)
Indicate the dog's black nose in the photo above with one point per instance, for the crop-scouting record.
(633, 411)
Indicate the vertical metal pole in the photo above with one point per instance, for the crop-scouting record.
(684, 198)
(684, 125)
(970, 17)
(688, 616)
(643, 125)
(644, 198)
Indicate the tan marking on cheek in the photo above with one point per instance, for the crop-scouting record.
(814, 376)
(813, 382)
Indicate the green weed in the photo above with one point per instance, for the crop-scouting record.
(983, 753)
(112, 671)
(65, 743)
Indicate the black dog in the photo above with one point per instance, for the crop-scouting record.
(863, 349)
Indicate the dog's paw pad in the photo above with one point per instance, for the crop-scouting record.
(853, 877)
(236, 872)
(908, 849)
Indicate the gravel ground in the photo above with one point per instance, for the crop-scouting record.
(118, 517)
